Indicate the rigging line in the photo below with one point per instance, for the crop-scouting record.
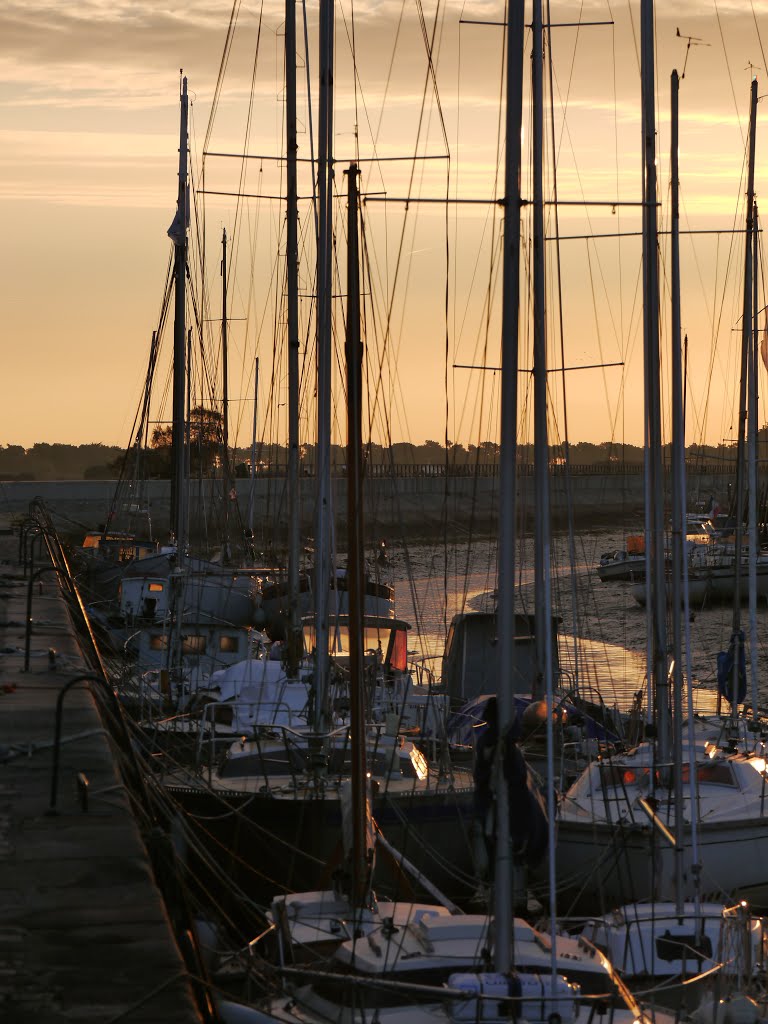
(359, 94)
(718, 315)
(759, 37)
(248, 130)
(309, 117)
(728, 67)
(487, 319)
(233, 16)
(356, 85)
(337, 159)
(597, 325)
(488, 220)
(401, 243)
(447, 407)
(499, 201)
(561, 327)
(620, 263)
(529, 370)
(389, 72)
(429, 48)
(638, 234)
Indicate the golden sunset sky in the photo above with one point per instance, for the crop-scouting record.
(88, 161)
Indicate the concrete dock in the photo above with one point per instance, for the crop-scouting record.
(84, 934)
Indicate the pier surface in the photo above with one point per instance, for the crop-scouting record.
(84, 934)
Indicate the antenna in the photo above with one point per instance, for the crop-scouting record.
(692, 41)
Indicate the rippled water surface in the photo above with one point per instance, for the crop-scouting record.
(603, 631)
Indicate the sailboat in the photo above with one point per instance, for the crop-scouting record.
(681, 818)
(287, 776)
(435, 965)
(291, 779)
(177, 618)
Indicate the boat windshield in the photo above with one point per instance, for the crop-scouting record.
(716, 773)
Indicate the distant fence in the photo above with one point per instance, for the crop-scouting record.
(489, 470)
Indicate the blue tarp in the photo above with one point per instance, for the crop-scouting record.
(725, 660)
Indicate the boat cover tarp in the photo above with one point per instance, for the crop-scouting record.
(725, 663)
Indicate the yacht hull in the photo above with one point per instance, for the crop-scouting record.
(623, 863)
(270, 842)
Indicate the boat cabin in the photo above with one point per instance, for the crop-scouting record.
(204, 645)
(118, 547)
(143, 599)
(471, 656)
(384, 639)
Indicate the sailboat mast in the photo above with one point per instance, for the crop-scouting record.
(540, 430)
(292, 286)
(508, 464)
(322, 581)
(678, 464)
(178, 234)
(752, 459)
(226, 481)
(654, 476)
(746, 332)
(355, 568)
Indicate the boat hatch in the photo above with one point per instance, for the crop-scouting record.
(671, 948)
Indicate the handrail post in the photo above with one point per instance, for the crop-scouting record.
(28, 623)
(90, 677)
(32, 528)
(37, 536)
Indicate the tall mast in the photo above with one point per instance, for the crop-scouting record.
(544, 682)
(752, 460)
(746, 331)
(178, 234)
(678, 532)
(322, 580)
(508, 465)
(225, 474)
(292, 274)
(354, 361)
(540, 431)
(252, 500)
(654, 476)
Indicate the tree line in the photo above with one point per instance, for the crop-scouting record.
(100, 462)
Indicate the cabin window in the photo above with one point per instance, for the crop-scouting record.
(712, 773)
(159, 642)
(155, 588)
(193, 644)
(399, 657)
(228, 644)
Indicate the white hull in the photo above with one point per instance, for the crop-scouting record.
(625, 862)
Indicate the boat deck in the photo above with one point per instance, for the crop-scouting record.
(84, 934)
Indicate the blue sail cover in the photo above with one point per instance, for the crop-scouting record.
(463, 724)
(725, 660)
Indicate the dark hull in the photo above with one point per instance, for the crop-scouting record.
(271, 844)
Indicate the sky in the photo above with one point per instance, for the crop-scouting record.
(88, 163)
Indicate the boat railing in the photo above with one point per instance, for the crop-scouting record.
(210, 716)
(299, 753)
(421, 671)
